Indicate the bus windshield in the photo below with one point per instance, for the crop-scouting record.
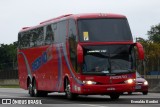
(104, 30)
(109, 59)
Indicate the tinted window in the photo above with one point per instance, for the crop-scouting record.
(31, 38)
(61, 32)
(108, 59)
(19, 40)
(50, 33)
(73, 44)
(104, 30)
(24, 40)
(40, 39)
(36, 37)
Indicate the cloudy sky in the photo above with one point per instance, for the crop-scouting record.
(15, 14)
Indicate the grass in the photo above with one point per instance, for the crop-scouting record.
(9, 86)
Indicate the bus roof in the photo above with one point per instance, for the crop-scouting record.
(75, 16)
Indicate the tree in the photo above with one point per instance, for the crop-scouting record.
(152, 49)
(154, 33)
(8, 56)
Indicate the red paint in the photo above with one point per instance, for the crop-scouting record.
(47, 74)
(140, 50)
(79, 54)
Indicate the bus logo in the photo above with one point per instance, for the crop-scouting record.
(44, 58)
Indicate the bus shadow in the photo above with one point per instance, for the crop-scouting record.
(84, 99)
(133, 94)
(59, 98)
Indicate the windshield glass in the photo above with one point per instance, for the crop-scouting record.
(138, 75)
(108, 59)
(101, 30)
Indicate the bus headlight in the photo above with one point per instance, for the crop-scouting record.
(89, 82)
(129, 81)
(145, 83)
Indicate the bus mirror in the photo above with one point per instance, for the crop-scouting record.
(79, 54)
(140, 50)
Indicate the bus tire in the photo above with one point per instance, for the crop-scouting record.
(129, 93)
(69, 94)
(145, 92)
(30, 89)
(43, 93)
(114, 96)
(35, 91)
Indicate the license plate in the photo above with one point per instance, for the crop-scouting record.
(138, 87)
(109, 89)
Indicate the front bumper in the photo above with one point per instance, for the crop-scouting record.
(105, 89)
(141, 88)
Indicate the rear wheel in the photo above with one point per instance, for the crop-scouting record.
(114, 96)
(129, 93)
(35, 91)
(38, 93)
(68, 92)
(30, 89)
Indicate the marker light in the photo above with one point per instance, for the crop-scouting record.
(129, 81)
(145, 83)
(89, 82)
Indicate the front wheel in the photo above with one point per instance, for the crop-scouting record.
(114, 96)
(68, 92)
(145, 92)
(129, 93)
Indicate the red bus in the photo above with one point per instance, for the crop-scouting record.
(79, 54)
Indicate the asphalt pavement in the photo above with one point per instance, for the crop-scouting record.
(19, 96)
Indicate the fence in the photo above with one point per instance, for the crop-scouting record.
(8, 66)
(154, 82)
(8, 70)
(151, 76)
(8, 74)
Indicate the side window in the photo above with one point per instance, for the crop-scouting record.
(34, 37)
(31, 38)
(49, 34)
(25, 39)
(62, 31)
(19, 41)
(73, 44)
(60, 36)
(40, 36)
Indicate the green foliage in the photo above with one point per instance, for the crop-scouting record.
(152, 49)
(8, 55)
(154, 34)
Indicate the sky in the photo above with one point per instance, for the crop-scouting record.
(15, 14)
